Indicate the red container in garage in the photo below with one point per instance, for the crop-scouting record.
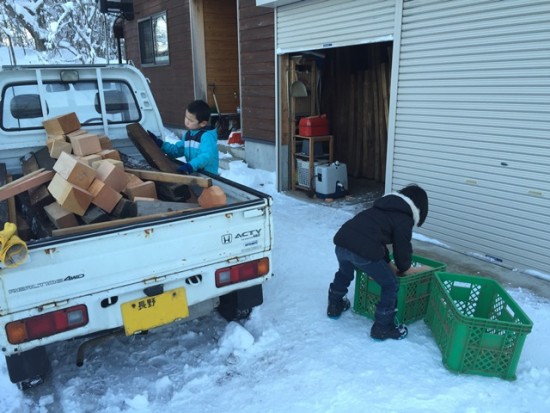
(314, 126)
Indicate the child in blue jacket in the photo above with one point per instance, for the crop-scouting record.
(199, 143)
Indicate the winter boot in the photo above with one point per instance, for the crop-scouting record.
(337, 307)
(337, 303)
(382, 332)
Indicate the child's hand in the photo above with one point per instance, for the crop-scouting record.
(393, 267)
(185, 169)
(157, 140)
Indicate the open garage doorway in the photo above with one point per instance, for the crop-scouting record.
(351, 86)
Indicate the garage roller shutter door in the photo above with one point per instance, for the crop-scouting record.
(472, 124)
(314, 24)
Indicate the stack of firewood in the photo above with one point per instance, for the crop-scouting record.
(85, 182)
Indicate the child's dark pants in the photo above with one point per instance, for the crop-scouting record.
(378, 270)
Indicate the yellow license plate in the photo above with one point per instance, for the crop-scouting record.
(149, 312)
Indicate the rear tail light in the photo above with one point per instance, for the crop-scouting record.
(242, 272)
(45, 325)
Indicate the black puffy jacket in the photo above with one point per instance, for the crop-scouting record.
(388, 222)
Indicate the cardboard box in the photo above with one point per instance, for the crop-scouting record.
(51, 138)
(58, 147)
(62, 125)
(145, 189)
(75, 133)
(59, 216)
(113, 175)
(109, 154)
(105, 142)
(91, 160)
(133, 179)
(85, 144)
(69, 196)
(74, 170)
(104, 196)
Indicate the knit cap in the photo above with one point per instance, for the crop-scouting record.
(420, 199)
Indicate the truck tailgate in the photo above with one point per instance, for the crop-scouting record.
(85, 264)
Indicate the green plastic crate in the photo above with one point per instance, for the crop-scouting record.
(478, 327)
(412, 297)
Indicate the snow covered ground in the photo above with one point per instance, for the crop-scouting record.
(288, 357)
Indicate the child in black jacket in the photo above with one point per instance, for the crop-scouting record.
(361, 243)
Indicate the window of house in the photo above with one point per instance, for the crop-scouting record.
(153, 40)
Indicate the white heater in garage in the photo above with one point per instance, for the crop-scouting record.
(331, 181)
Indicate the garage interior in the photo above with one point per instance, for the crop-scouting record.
(351, 86)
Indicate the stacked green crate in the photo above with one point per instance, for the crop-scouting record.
(412, 297)
(478, 327)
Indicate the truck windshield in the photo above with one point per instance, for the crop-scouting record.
(23, 109)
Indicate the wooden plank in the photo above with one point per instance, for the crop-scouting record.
(150, 151)
(25, 183)
(44, 159)
(23, 229)
(125, 209)
(154, 206)
(40, 196)
(171, 177)
(115, 223)
(59, 216)
(12, 209)
(145, 189)
(29, 164)
(172, 192)
(39, 224)
(4, 206)
(95, 215)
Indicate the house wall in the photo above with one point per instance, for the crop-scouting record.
(257, 65)
(221, 53)
(173, 84)
(258, 102)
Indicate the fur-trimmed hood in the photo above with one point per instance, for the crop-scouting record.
(414, 209)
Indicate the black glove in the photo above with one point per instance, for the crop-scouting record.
(156, 139)
(185, 169)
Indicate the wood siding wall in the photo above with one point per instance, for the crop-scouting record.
(172, 84)
(222, 53)
(257, 56)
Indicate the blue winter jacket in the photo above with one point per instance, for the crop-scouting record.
(200, 148)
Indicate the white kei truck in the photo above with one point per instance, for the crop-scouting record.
(127, 278)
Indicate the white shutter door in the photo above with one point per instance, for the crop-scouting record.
(472, 124)
(315, 24)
